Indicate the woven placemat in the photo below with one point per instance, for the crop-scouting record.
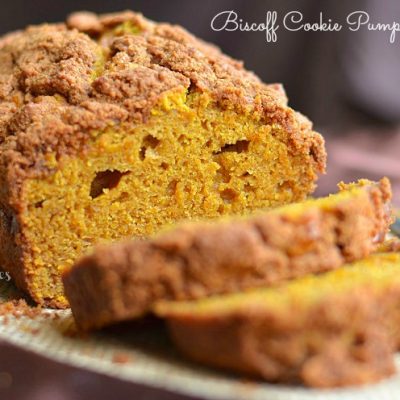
(142, 353)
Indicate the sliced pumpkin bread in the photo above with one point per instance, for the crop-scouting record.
(123, 281)
(335, 329)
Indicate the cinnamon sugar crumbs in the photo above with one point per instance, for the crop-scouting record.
(19, 308)
(391, 245)
(121, 358)
(394, 245)
(73, 332)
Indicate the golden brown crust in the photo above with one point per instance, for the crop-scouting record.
(339, 341)
(124, 280)
(59, 82)
(11, 252)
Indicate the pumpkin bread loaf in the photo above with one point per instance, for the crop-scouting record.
(124, 280)
(335, 329)
(114, 126)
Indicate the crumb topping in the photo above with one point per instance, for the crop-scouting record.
(59, 82)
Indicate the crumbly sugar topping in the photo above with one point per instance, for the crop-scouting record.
(58, 82)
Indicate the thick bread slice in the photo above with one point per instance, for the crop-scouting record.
(335, 329)
(196, 260)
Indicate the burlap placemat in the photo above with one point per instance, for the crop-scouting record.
(142, 353)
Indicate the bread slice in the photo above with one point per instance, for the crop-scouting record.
(124, 280)
(114, 126)
(334, 329)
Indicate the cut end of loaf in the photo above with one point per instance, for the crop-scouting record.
(188, 161)
(122, 126)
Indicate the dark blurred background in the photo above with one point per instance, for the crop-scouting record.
(347, 82)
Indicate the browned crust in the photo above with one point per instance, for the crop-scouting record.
(11, 253)
(124, 280)
(59, 82)
(340, 341)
